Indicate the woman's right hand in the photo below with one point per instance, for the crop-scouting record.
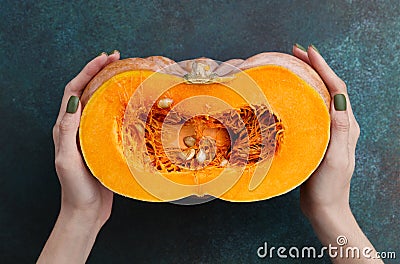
(328, 187)
(324, 197)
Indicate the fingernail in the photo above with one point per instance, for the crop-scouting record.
(101, 54)
(114, 51)
(312, 46)
(339, 100)
(72, 105)
(300, 47)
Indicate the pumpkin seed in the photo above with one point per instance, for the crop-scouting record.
(189, 141)
(189, 154)
(201, 156)
(223, 163)
(165, 103)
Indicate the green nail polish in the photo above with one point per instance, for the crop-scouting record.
(101, 54)
(114, 51)
(312, 46)
(300, 47)
(339, 101)
(72, 105)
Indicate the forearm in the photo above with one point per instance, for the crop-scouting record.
(71, 240)
(331, 224)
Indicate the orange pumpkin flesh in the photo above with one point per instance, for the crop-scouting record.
(296, 94)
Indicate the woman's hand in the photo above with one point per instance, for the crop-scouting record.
(81, 193)
(329, 186)
(324, 197)
(85, 203)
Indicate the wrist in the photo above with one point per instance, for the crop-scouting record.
(331, 222)
(325, 214)
(71, 240)
(316, 205)
(79, 221)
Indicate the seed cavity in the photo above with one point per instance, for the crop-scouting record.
(243, 143)
(189, 141)
(165, 103)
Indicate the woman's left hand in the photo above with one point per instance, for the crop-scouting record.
(82, 194)
(85, 202)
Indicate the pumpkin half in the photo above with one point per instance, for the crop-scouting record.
(156, 130)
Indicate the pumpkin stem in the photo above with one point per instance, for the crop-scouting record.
(202, 74)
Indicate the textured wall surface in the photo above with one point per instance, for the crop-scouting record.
(45, 43)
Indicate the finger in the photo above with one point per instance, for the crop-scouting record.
(114, 56)
(354, 128)
(80, 81)
(78, 84)
(301, 53)
(335, 86)
(68, 129)
(353, 137)
(344, 128)
(334, 83)
(338, 150)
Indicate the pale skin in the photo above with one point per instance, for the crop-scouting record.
(86, 204)
(324, 197)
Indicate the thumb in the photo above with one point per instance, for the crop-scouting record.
(69, 127)
(340, 127)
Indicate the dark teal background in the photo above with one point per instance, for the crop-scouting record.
(45, 43)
